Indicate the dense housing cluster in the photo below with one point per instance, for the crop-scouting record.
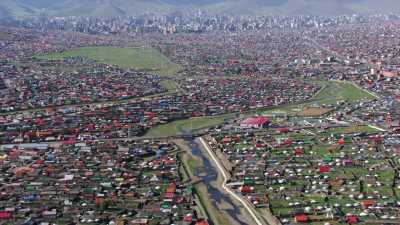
(329, 177)
(74, 80)
(302, 113)
(79, 98)
(135, 182)
(135, 117)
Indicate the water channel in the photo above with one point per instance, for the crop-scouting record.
(209, 177)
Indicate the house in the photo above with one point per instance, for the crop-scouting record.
(324, 169)
(255, 122)
(298, 151)
(5, 215)
(188, 218)
(3, 88)
(202, 222)
(50, 213)
(282, 130)
(368, 203)
(348, 162)
(139, 222)
(245, 189)
(351, 219)
(301, 218)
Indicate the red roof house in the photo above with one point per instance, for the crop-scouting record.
(226, 140)
(171, 188)
(259, 145)
(368, 203)
(5, 215)
(245, 189)
(169, 195)
(341, 141)
(282, 130)
(324, 169)
(301, 218)
(188, 218)
(298, 152)
(201, 222)
(352, 219)
(99, 200)
(255, 122)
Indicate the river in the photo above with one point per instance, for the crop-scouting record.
(210, 178)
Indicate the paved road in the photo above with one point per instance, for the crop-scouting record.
(336, 54)
(58, 143)
(318, 45)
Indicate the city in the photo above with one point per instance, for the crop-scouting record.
(197, 118)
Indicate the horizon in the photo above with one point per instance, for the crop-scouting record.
(24, 9)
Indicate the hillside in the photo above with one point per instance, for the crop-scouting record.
(100, 8)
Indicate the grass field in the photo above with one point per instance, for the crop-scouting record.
(4, 36)
(187, 125)
(334, 91)
(171, 85)
(314, 111)
(351, 129)
(140, 58)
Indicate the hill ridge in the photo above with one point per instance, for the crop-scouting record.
(107, 8)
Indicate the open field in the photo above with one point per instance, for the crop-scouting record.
(140, 58)
(4, 36)
(170, 85)
(314, 111)
(351, 129)
(187, 125)
(334, 91)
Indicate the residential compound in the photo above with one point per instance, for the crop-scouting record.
(207, 120)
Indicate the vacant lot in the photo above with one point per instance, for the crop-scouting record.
(139, 58)
(351, 129)
(187, 125)
(334, 91)
(314, 111)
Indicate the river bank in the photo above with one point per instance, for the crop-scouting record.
(221, 209)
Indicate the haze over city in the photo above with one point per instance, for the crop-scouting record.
(107, 8)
